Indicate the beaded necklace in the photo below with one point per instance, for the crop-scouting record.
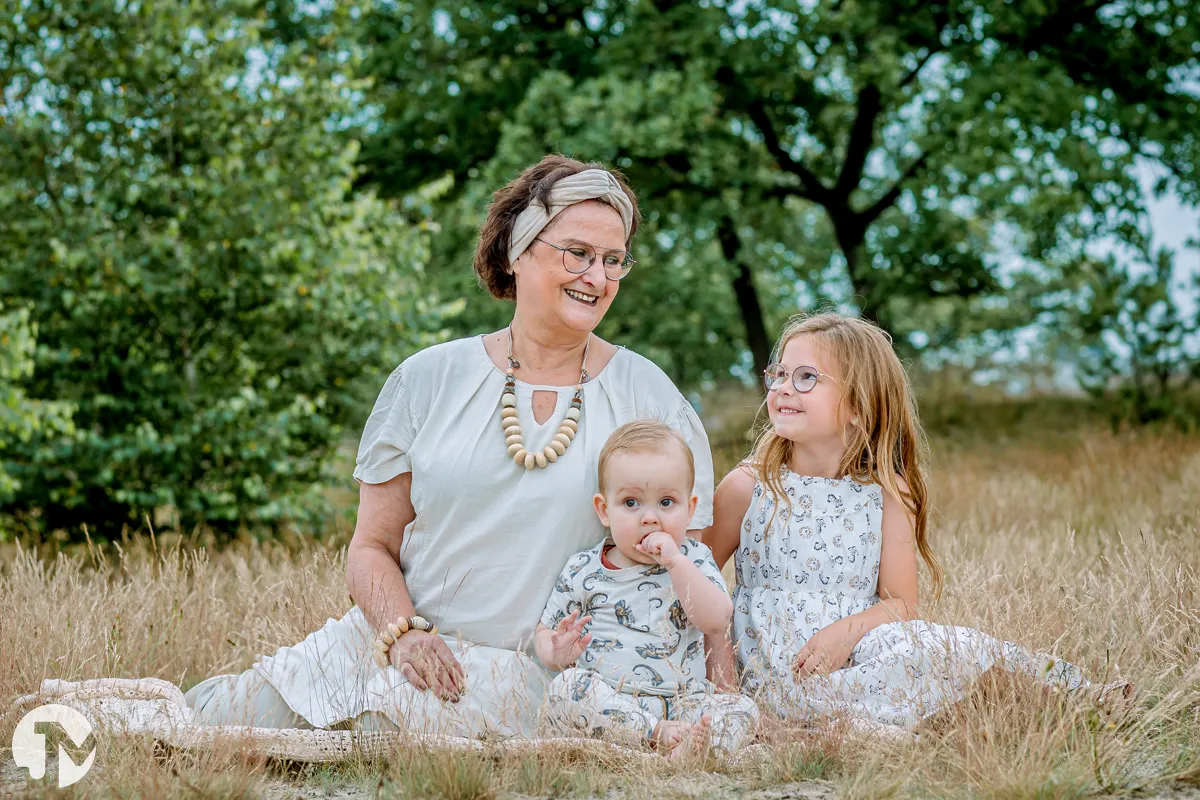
(512, 425)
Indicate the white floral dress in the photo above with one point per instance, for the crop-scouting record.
(819, 562)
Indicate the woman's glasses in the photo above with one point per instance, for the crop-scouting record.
(578, 259)
(803, 378)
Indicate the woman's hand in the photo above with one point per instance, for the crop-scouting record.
(425, 660)
(827, 651)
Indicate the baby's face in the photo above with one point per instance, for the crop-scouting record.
(646, 492)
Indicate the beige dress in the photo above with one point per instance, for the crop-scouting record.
(480, 558)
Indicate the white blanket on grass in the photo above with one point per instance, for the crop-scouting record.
(157, 709)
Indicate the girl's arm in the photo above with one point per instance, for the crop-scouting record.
(730, 502)
(829, 649)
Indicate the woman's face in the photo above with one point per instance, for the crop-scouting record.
(548, 295)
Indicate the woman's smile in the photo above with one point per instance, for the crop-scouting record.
(582, 297)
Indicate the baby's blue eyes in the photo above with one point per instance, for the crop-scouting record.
(666, 502)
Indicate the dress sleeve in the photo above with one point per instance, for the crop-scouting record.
(688, 424)
(388, 435)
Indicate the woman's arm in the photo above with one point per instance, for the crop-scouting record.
(373, 573)
(730, 502)
(376, 583)
(829, 649)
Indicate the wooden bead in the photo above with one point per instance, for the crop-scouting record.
(514, 439)
(514, 448)
(562, 438)
(419, 623)
(572, 424)
(508, 412)
(402, 624)
(550, 453)
(568, 432)
(512, 429)
(558, 447)
(395, 631)
(519, 456)
(530, 461)
(508, 400)
(540, 460)
(381, 660)
(573, 413)
(380, 646)
(387, 638)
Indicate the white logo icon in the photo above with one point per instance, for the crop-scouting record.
(29, 747)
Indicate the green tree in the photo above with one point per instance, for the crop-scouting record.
(1124, 328)
(209, 294)
(20, 417)
(901, 156)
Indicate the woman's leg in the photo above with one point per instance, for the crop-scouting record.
(243, 699)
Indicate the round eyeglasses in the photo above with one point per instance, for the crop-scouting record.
(578, 259)
(803, 378)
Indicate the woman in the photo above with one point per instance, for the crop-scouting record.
(463, 520)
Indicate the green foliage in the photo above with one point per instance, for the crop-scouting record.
(924, 162)
(20, 417)
(209, 295)
(1131, 341)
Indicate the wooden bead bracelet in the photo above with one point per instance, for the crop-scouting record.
(402, 625)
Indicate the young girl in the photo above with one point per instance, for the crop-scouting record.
(827, 518)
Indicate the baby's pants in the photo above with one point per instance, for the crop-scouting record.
(580, 701)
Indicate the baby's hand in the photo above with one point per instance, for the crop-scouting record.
(568, 640)
(659, 546)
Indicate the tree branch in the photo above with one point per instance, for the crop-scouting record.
(872, 212)
(862, 134)
(813, 188)
(912, 76)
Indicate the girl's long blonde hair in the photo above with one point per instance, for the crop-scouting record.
(887, 443)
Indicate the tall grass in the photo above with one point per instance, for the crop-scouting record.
(1075, 540)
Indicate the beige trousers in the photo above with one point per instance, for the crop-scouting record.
(249, 699)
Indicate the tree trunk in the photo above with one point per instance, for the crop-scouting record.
(850, 237)
(746, 295)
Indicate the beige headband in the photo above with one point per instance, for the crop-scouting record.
(592, 184)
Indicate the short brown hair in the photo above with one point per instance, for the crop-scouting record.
(644, 435)
(534, 183)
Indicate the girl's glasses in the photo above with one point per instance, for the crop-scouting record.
(803, 378)
(578, 259)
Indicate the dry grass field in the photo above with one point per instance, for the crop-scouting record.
(1064, 538)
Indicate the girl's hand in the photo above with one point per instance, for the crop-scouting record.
(568, 641)
(827, 651)
(425, 660)
(660, 547)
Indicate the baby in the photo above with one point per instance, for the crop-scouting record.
(634, 611)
